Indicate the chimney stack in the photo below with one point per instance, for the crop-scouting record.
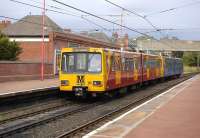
(126, 41)
(116, 40)
(4, 24)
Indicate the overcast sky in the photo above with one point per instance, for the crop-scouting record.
(185, 19)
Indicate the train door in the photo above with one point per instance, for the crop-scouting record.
(162, 60)
(141, 68)
(57, 57)
(118, 69)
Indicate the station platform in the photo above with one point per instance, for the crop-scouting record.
(172, 114)
(13, 88)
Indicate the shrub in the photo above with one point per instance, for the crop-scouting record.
(9, 50)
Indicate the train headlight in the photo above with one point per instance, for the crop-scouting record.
(64, 82)
(97, 83)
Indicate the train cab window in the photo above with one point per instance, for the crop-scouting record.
(94, 63)
(81, 62)
(70, 60)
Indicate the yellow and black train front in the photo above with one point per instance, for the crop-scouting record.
(81, 71)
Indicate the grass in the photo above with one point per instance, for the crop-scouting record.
(188, 69)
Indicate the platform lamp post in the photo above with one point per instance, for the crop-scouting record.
(42, 46)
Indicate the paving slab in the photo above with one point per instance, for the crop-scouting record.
(14, 87)
(172, 114)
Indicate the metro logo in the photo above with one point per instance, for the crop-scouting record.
(80, 80)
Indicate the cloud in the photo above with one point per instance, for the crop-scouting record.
(186, 17)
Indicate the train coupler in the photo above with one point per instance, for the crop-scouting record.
(80, 91)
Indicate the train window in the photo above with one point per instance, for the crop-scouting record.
(118, 63)
(123, 63)
(153, 63)
(147, 63)
(113, 63)
(64, 65)
(94, 63)
(136, 64)
(159, 63)
(81, 62)
(132, 63)
(70, 60)
(127, 64)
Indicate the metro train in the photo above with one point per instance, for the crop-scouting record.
(94, 71)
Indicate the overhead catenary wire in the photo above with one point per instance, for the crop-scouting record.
(52, 6)
(133, 12)
(35, 6)
(105, 29)
(141, 16)
(172, 9)
(85, 12)
(137, 14)
(101, 18)
(104, 20)
(46, 9)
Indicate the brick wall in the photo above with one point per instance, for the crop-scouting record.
(23, 70)
(31, 52)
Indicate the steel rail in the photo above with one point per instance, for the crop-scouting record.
(80, 108)
(32, 123)
(77, 130)
(26, 115)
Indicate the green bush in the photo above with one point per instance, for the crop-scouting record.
(191, 58)
(8, 50)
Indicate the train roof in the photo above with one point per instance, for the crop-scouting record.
(85, 49)
(172, 58)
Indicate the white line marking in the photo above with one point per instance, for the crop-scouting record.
(54, 86)
(29, 39)
(140, 121)
(120, 117)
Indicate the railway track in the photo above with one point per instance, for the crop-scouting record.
(29, 111)
(80, 129)
(43, 117)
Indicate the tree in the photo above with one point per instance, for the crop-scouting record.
(191, 58)
(178, 54)
(8, 50)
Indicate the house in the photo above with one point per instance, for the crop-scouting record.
(4, 24)
(28, 33)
